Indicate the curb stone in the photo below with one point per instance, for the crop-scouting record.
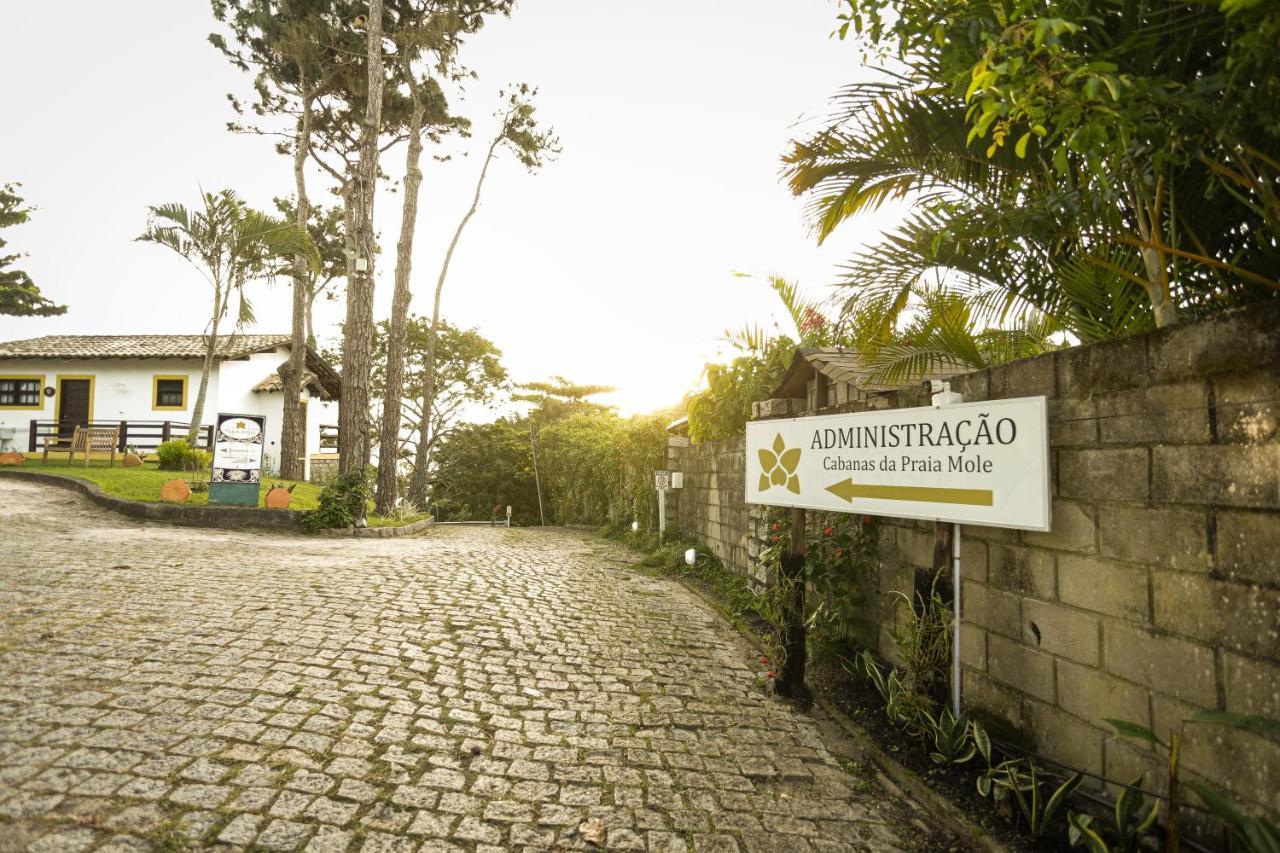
(377, 532)
(210, 516)
(182, 514)
(900, 776)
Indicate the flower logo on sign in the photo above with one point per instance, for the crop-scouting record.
(779, 466)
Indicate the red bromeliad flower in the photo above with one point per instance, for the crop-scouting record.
(771, 674)
(812, 322)
(777, 526)
(763, 659)
(827, 531)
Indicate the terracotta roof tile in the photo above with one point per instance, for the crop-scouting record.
(137, 346)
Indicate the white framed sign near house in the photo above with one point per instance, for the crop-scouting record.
(973, 463)
(237, 459)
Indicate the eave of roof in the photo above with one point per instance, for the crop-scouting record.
(843, 365)
(137, 346)
(85, 347)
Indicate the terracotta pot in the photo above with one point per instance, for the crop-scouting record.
(175, 491)
(278, 498)
(131, 460)
(12, 458)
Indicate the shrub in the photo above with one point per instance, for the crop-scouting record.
(340, 503)
(177, 455)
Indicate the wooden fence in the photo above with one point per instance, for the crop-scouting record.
(144, 435)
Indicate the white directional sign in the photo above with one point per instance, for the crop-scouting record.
(973, 463)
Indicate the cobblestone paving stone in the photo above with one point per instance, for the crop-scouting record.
(472, 689)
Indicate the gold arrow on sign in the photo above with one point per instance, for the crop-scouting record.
(849, 490)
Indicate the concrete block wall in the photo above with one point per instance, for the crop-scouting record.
(1157, 591)
(712, 505)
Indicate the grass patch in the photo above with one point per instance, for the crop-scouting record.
(143, 484)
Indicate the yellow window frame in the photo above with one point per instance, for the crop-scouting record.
(25, 377)
(155, 391)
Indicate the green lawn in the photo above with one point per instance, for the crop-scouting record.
(143, 484)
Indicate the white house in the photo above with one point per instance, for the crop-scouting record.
(149, 384)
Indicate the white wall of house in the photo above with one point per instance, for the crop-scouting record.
(123, 389)
(236, 379)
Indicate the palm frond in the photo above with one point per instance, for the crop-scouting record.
(750, 338)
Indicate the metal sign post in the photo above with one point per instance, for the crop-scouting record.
(955, 615)
(508, 515)
(662, 482)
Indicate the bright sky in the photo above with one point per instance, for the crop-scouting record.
(614, 265)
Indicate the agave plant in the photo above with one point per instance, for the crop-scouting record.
(952, 738)
(1028, 791)
(1127, 830)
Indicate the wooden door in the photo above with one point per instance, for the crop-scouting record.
(73, 406)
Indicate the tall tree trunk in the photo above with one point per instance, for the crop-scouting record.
(293, 438)
(418, 483)
(311, 323)
(357, 331)
(389, 440)
(197, 413)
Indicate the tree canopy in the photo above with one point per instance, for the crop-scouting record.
(468, 373)
(1108, 166)
(19, 295)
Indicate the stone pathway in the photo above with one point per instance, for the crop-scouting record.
(168, 688)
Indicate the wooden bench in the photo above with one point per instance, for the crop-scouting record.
(86, 440)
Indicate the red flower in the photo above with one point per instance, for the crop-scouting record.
(763, 659)
(812, 321)
(777, 526)
(827, 531)
(839, 551)
(771, 674)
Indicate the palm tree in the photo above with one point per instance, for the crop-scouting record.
(937, 328)
(230, 244)
(1005, 226)
(810, 326)
(972, 227)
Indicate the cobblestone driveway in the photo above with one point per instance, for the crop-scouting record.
(474, 688)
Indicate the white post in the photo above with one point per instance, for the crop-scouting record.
(662, 513)
(955, 615)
